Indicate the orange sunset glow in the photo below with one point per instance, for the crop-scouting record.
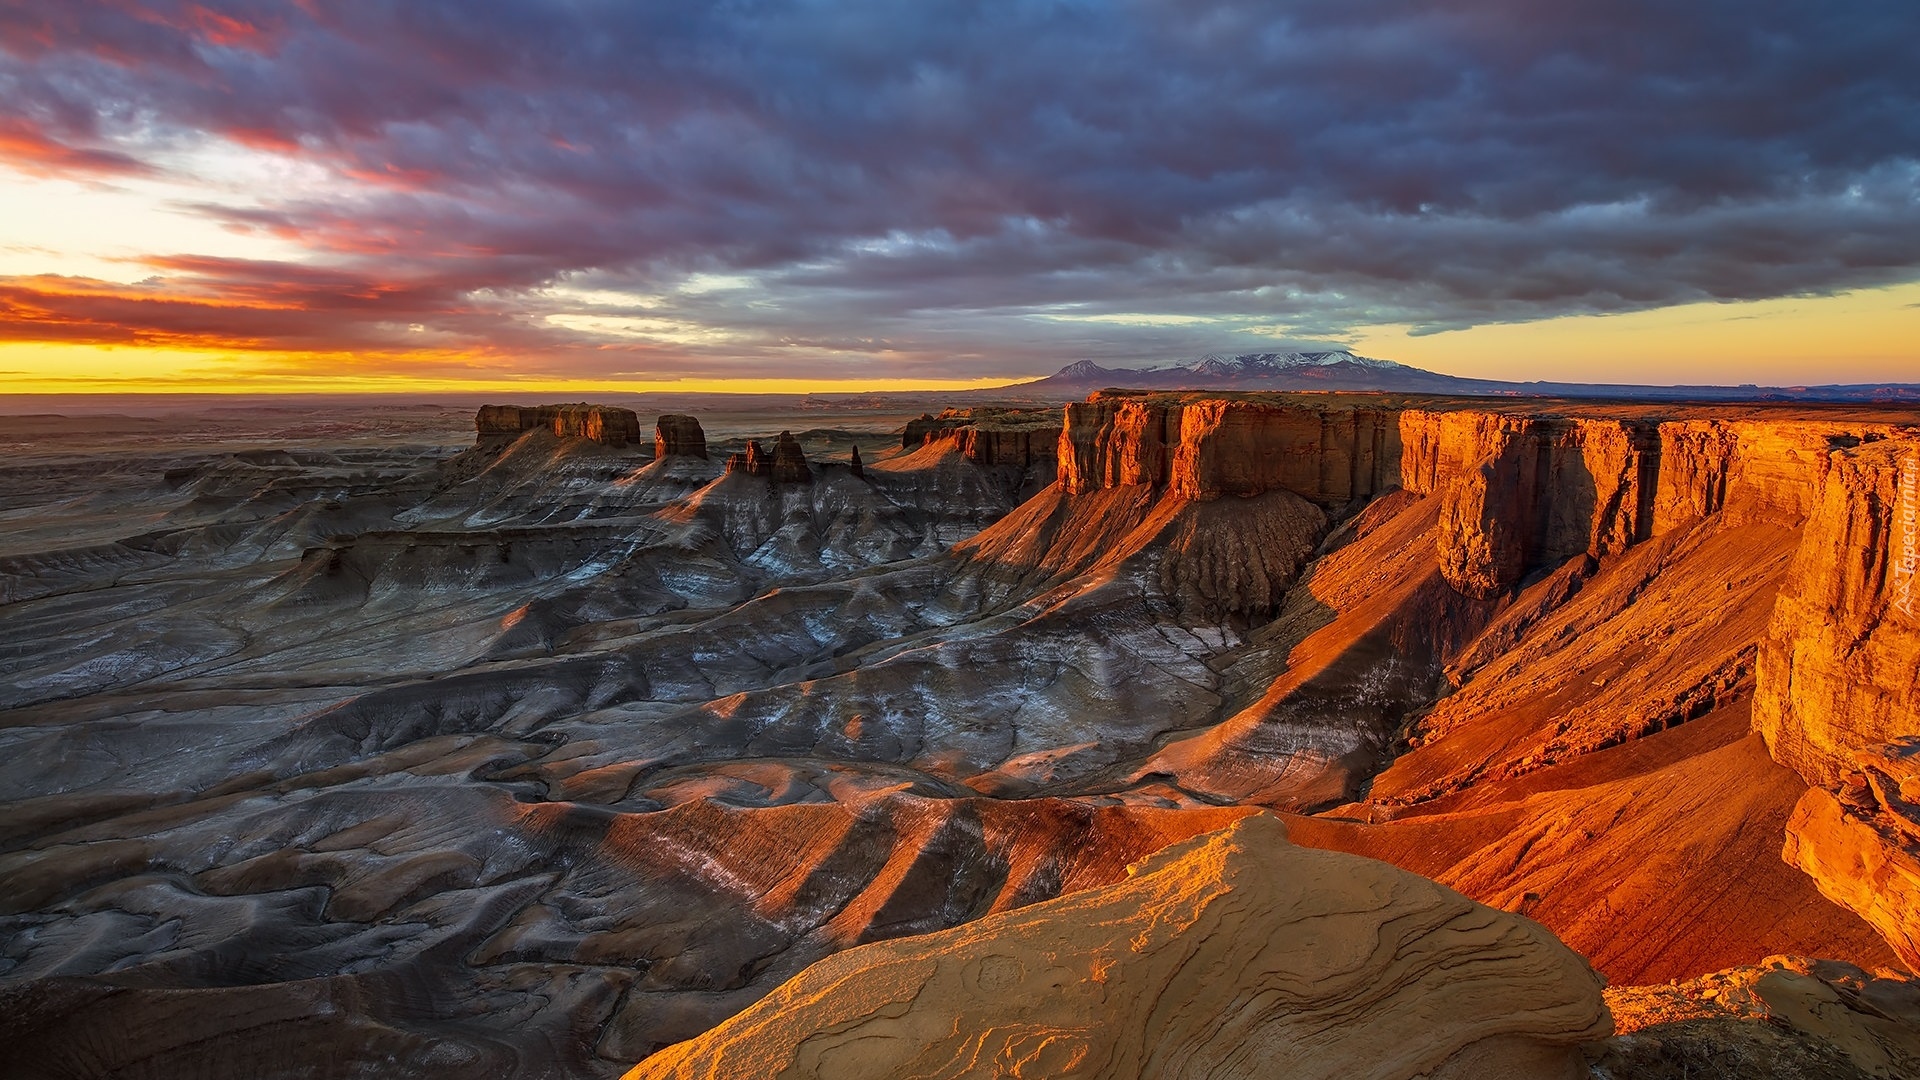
(259, 242)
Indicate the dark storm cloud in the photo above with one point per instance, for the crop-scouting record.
(927, 181)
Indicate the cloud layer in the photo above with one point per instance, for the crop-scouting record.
(604, 188)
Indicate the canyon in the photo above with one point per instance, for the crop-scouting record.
(529, 752)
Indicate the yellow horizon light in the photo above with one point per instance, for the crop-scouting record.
(33, 369)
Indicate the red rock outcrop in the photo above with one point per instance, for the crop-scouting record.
(675, 433)
(1838, 697)
(1526, 491)
(1523, 492)
(1233, 955)
(1748, 469)
(1013, 439)
(787, 464)
(1206, 448)
(1864, 857)
(1799, 1016)
(599, 423)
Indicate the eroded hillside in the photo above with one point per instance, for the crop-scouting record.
(536, 757)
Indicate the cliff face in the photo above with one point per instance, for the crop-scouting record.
(1838, 665)
(1521, 492)
(599, 423)
(1838, 698)
(1205, 449)
(1520, 489)
(675, 433)
(1014, 440)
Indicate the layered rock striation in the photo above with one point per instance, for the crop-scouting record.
(1523, 492)
(1208, 448)
(1018, 447)
(1016, 438)
(1522, 487)
(1232, 955)
(1838, 699)
(599, 423)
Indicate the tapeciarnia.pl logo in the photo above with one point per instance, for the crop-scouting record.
(1906, 534)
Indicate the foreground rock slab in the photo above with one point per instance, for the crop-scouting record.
(1785, 1018)
(1236, 954)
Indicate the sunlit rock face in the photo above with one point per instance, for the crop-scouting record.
(1839, 692)
(1234, 955)
(1020, 447)
(601, 423)
(1786, 1017)
(678, 435)
(1204, 449)
(532, 757)
(1522, 493)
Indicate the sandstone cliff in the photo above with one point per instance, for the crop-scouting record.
(1019, 446)
(786, 464)
(675, 433)
(989, 436)
(1235, 954)
(1838, 698)
(599, 423)
(1584, 576)
(1525, 492)
(1207, 448)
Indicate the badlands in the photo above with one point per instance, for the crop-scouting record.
(1163, 735)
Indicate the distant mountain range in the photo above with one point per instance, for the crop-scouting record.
(1342, 370)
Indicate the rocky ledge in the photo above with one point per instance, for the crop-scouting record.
(1236, 954)
(598, 423)
(989, 437)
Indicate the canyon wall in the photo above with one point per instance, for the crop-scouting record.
(598, 423)
(1207, 448)
(1525, 492)
(1522, 487)
(1018, 439)
(1838, 698)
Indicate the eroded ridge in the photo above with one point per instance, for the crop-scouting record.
(1233, 955)
(537, 755)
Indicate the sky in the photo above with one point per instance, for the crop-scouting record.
(572, 194)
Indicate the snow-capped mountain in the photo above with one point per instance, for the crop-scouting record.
(1328, 370)
(1341, 370)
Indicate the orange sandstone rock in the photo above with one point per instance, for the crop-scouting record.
(1236, 954)
(598, 423)
(675, 433)
(1209, 448)
(1838, 695)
